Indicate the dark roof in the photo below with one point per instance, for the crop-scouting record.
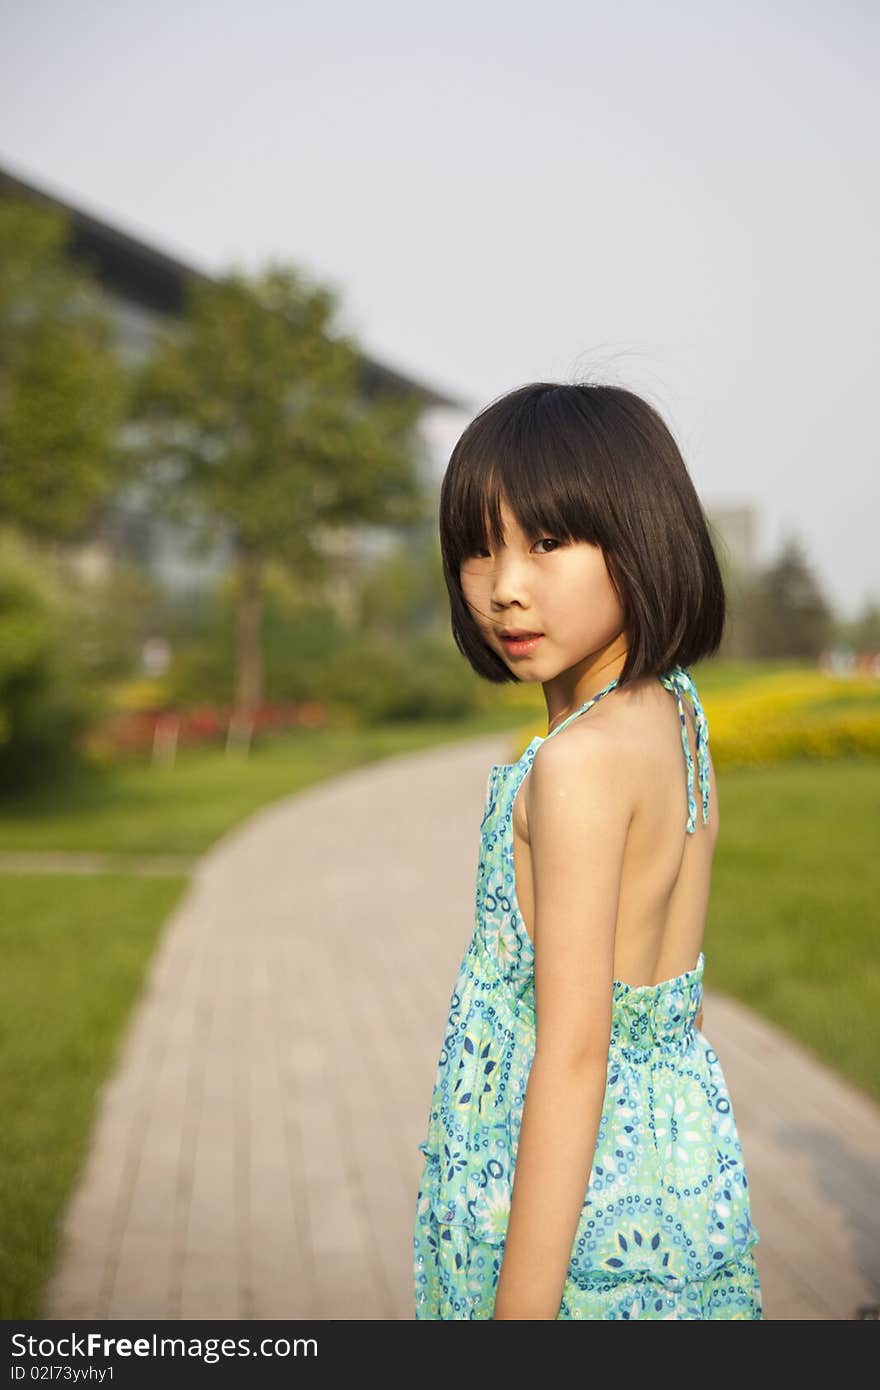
(157, 282)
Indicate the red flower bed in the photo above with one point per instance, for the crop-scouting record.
(203, 724)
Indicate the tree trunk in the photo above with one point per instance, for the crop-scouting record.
(248, 647)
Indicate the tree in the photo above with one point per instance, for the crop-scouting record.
(62, 388)
(254, 416)
(789, 615)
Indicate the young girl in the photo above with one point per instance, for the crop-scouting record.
(582, 1157)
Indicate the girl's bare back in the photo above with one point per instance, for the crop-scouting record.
(666, 875)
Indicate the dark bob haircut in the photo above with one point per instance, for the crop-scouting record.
(595, 463)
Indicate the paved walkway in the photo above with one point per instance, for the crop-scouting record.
(254, 1154)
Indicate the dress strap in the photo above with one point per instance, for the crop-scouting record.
(679, 680)
(559, 727)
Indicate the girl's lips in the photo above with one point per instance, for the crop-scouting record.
(519, 646)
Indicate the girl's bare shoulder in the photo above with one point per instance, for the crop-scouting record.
(640, 722)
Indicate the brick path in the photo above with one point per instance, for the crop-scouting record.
(254, 1154)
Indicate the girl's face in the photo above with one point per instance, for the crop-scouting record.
(559, 589)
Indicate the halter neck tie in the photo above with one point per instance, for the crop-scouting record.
(679, 680)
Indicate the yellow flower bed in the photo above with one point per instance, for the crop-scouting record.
(788, 714)
(139, 693)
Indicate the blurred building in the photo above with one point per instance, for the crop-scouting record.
(736, 528)
(144, 290)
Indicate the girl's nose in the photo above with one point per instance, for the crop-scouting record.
(508, 583)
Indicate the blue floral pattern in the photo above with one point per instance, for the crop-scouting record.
(665, 1230)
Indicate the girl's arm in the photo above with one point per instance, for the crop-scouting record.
(579, 810)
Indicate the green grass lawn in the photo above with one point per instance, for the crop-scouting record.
(793, 921)
(792, 932)
(183, 809)
(75, 950)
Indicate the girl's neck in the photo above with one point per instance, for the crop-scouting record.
(582, 682)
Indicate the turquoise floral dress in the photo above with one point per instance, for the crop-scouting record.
(665, 1230)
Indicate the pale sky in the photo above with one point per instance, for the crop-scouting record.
(678, 197)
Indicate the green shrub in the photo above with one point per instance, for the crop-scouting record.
(45, 700)
(386, 681)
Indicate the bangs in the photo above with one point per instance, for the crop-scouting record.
(528, 451)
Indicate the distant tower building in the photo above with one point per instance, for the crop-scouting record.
(734, 531)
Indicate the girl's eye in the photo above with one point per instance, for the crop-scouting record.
(478, 554)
